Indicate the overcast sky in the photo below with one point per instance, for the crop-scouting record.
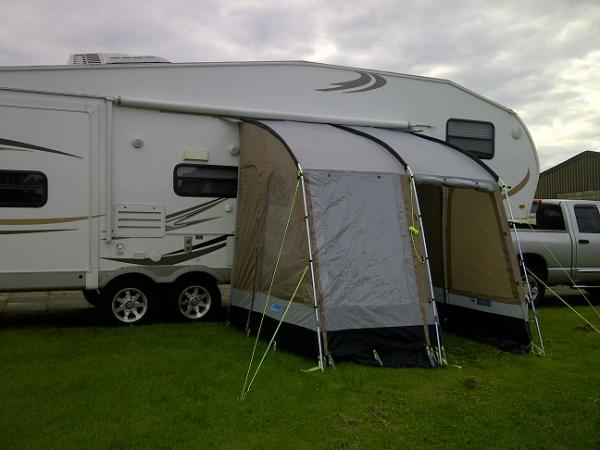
(539, 58)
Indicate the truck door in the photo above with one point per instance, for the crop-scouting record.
(48, 203)
(587, 243)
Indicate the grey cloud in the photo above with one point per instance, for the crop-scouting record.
(530, 56)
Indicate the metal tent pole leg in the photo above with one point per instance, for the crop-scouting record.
(522, 261)
(438, 335)
(312, 271)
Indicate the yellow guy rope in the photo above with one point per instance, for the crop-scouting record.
(287, 308)
(561, 299)
(551, 253)
(287, 225)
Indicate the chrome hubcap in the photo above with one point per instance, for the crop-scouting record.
(194, 302)
(533, 287)
(129, 305)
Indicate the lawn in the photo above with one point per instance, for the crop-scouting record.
(175, 385)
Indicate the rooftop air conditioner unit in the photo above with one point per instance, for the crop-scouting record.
(85, 59)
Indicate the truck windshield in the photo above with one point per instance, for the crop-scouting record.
(588, 218)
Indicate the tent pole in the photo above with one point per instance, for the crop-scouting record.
(312, 269)
(505, 188)
(440, 349)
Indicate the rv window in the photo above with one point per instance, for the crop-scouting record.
(205, 181)
(476, 137)
(22, 189)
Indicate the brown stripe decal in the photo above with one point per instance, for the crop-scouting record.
(363, 79)
(520, 185)
(379, 81)
(184, 218)
(202, 244)
(170, 260)
(23, 146)
(36, 231)
(367, 81)
(46, 220)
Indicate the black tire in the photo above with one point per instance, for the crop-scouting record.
(128, 301)
(195, 298)
(92, 297)
(538, 290)
(593, 293)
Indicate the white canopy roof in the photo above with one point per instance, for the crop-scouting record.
(365, 149)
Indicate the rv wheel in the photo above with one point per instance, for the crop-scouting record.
(196, 299)
(128, 302)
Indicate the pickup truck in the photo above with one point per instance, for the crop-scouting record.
(562, 246)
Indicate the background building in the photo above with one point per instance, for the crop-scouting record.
(576, 178)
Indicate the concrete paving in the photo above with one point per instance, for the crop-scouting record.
(55, 308)
(69, 308)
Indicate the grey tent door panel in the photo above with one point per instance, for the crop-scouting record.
(364, 253)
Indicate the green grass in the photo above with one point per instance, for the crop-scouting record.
(175, 385)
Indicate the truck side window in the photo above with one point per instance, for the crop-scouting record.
(588, 218)
(191, 180)
(23, 189)
(550, 217)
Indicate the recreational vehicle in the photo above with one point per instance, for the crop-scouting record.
(119, 175)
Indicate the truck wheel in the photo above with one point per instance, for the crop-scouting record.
(593, 293)
(128, 301)
(537, 289)
(92, 297)
(196, 298)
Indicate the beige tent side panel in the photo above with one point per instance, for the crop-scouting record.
(251, 207)
(418, 250)
(432, 207)
(476, 248)
(284, 194)
(268, 178)
(510, 254)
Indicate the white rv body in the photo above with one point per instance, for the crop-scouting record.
(64, 244)
(110, 137)
(302, 91)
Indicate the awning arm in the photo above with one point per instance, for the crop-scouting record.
(235, 112)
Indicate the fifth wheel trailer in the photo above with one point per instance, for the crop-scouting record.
(118, 178)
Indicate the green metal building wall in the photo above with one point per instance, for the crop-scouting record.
(575, 178)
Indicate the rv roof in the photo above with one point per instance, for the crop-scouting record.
(162, 65)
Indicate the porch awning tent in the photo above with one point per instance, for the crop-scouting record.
(367, 294)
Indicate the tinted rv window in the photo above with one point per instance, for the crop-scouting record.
(23, 189)
(205, 181)
(588, 218)
(476, 137)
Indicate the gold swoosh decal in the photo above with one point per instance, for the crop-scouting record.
(520, 185)
(46, 220)
(169, 260)
(35, 231)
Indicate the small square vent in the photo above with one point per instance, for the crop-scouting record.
(84, 59)
(139, 220)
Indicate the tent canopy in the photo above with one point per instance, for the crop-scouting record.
(371, 297)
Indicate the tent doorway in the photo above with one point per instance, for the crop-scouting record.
(472, 271)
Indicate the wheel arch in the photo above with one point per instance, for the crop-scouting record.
(129, 277)
(165, 274)
(196, 275)
(537, 261)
